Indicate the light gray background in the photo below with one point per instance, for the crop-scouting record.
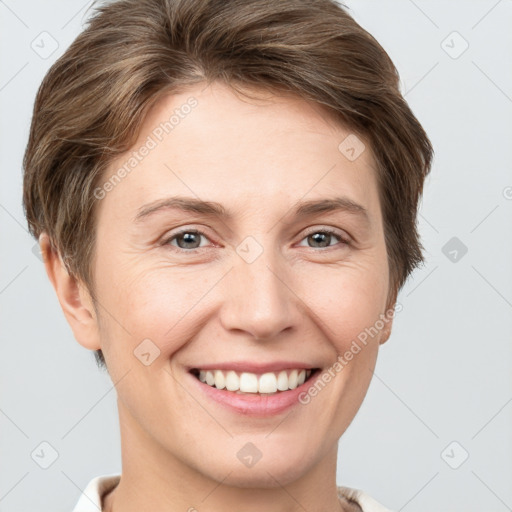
(444, 376)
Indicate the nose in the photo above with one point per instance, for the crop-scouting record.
(259, 300)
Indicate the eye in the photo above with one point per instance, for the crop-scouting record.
(186, 239)
(189, 240)
(323, 237)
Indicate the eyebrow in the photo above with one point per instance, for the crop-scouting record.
(214, 209)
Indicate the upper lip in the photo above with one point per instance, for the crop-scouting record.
(252, 367)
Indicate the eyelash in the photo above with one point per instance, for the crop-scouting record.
(328, 231)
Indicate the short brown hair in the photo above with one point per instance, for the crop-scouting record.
(92, 102)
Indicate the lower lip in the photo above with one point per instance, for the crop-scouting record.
(265, 404)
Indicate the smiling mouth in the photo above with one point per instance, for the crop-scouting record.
(252, 383)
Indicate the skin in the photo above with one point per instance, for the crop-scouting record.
(300, 300)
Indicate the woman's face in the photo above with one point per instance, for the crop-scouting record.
(262, 284)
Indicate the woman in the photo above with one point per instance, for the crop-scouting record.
(225, 194)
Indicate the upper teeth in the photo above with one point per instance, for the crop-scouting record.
(252, 383)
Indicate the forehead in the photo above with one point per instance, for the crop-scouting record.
(214, 144)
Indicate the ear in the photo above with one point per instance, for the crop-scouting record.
(390, 308)
(74, 298)
(386, 331)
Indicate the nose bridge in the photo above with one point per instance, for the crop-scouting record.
(258, 299)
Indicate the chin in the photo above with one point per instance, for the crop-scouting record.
(274, 470)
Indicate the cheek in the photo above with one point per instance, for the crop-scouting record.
(159, 303)
(347, 300)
